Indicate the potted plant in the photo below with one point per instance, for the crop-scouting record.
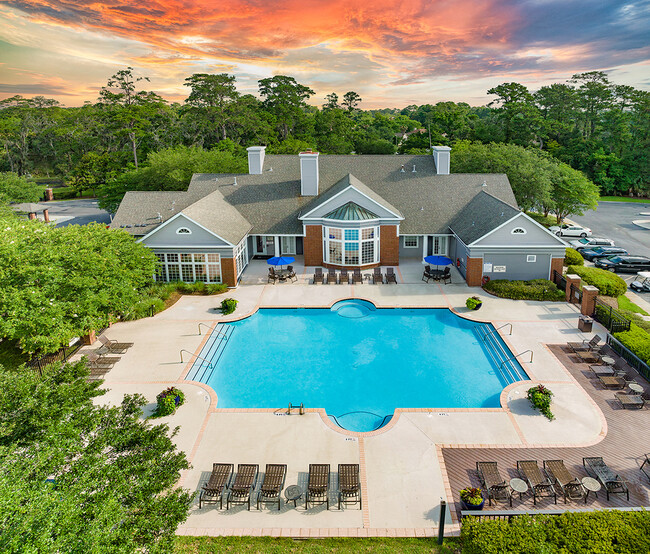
(474, 303)
(228, 306)
(471, 498)
(168, 400)
(540, 398)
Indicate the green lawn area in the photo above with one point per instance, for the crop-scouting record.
(270, 545)
(547, 221)
(624, 303)
(624, 199)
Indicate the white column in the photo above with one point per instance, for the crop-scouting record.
(277, 246)
(425, 242)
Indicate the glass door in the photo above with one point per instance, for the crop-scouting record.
(288, 245)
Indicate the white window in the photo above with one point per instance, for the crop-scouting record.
(411, 242)
(351, 246)
(183, 231)
(518, 231)
(241, 256)
(531, 258)
(189, 267)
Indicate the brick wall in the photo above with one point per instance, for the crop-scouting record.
(474, 272)
(389, 245)
(557, 264)
(313, 245)
(229, 271)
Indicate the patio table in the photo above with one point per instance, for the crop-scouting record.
(588, 357)
(591, 485)
(519, 485)
(636, 388)
(293, 494)
(608, 360)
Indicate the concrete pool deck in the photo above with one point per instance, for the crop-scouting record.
(402, 467)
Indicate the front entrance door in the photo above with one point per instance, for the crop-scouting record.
(260, 245)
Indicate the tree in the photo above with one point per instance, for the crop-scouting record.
(571, 193)
(351, 100)
(60, 282)
(14, 188)
(331, 102)
(112, 474)
(286, 99)
(210, 98)
(595, 96)
(518, 113)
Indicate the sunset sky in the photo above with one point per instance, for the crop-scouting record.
(393, 53)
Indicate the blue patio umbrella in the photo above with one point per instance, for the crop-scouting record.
(281, 260)
(438, 260)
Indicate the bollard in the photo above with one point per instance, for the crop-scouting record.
(441, 526)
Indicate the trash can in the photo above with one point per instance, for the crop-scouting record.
(585, 323)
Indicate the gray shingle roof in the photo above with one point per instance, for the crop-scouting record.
(271, 202)
(483, 214)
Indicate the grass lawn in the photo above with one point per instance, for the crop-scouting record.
(270, 545)
(624, 303)
(624, 199)
(547, 221)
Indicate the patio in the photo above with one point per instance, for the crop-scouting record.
(406, 468)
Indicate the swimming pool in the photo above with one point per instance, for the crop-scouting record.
(357, 362)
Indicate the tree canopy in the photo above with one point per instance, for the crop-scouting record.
(14, 188)
(78, 477)
(60, 282)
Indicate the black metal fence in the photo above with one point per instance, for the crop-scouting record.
(559, 280)
(629, 356)
(610, 318)
(61, 355)
(576, 295)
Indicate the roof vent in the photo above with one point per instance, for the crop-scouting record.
(484, 184)
(216, 178)
(413, 169)
(270, 169)
(235, 183)
(402, 170)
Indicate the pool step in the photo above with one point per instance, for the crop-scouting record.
(211, 351)
(502, 360)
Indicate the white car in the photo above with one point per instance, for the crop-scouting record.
(590, 242)
(567, 230)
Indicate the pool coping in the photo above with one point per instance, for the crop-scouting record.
(503, 398)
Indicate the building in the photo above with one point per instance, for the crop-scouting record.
(342, 212)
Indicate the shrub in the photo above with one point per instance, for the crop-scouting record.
(637, 340)
(168, 400)
(537, 289)
(578, 533)
(473, 302)
(608, 283)
(471, 495)
(573, 257)
(228, 306)
(540, 398)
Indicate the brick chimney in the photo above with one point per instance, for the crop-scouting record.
(309, 173)
(255, 159)
(441, 159)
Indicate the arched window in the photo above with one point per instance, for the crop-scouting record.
(183, 231)
(518, 231)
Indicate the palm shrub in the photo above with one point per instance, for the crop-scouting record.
(228, 306)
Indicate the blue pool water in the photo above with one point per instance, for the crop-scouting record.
(356, 361)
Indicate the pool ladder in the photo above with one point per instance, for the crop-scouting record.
(300, 407)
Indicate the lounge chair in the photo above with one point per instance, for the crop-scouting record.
(585, 345)
(318, 485)
(427, 274)
(587, 356)
(272, 484)
(292, 274)
(99, 364)
(567, 484)
(611, 381)
(97, 374)
(344, 277)
(599, 370)
(97, 359)
(630, 401)
(349, 484)
(645, 466)
(244, 485)
(492, 482)
(446, 276)
(114, 346)
(390, 276)
(620, 365)
(331, 276)
(356, 276)
(212, 491)
(612, 482)
(318, 275)
(377, 277)
(539, 485)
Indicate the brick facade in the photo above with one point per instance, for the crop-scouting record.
(229, 271)
(557, 264)
(474, 272)
(389, 245)
(313, 245)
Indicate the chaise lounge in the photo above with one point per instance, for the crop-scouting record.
(242, 489)
(212, 491)
(492, 482)
(585, 345)
(569, 486)
(318, 485)
(349, 484)
(541, 486)
(331, 276)
(377, 276)
(272, 484)
(611, 482)
(101, 362)
(390, 276)
(114, 346)
(344, 277)
(630, 401)
(356, 276)
(318, 275)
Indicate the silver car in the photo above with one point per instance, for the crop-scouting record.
(590, 242)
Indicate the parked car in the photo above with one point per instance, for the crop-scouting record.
(625, 264)
(567, 230)
(592, 254)
(590, 242)
(642, 282)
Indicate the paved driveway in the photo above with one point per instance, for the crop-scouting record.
(76, 212)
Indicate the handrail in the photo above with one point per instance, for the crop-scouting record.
(517, 355)
(192, 354)
(206, 325)
(498, 356)
(495, 330)
(300, 407)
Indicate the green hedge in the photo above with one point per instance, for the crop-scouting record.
(575, 533)
(537, 289)
(638, 341)
(573, 257)
(608, 283)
